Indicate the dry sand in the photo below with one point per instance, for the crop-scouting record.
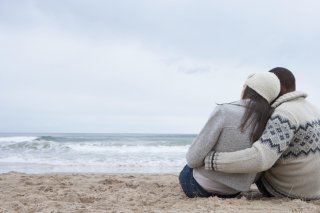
(125, 193)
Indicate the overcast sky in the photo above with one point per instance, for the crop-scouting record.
(144, 66)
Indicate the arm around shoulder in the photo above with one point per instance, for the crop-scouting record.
(263, 153)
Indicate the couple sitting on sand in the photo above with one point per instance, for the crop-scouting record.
(271, 137)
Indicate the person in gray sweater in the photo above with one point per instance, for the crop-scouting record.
(231, 127)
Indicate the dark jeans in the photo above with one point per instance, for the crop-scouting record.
(192, 189)
(262, 188)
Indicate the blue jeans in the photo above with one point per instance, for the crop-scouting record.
(190, 186)
(262, 188)
(192, 189)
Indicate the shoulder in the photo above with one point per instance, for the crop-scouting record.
(294, 107)
(300, 110)
(236, 108)
(232, 107)
(284, 114)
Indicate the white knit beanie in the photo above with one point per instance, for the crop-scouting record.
(265, 84)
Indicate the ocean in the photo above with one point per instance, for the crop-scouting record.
(99, 153)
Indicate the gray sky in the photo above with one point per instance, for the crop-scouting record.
(144, 66)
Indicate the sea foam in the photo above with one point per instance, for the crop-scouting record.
(93, 153)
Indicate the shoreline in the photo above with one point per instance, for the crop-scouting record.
(125, 192)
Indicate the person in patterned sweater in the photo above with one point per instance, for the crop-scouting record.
(288, 151)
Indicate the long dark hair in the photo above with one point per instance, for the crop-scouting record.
(257, 113)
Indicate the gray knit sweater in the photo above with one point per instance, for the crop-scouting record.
(289, 150)
(221, 133)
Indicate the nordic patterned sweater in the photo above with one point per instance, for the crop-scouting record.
(222, 133)
(289, 150)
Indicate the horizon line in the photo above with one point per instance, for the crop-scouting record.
(99, 133)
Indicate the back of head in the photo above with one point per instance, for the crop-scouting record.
(265, 84)
(287, 79)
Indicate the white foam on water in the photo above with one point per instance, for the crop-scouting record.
(59, 154)
(16, 139)
(127, 149)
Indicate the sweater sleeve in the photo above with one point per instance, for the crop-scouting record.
(206, 139)
(262, 155)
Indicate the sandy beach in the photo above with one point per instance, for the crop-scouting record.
(85, 192)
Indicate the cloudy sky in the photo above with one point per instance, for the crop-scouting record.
(144, 66)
